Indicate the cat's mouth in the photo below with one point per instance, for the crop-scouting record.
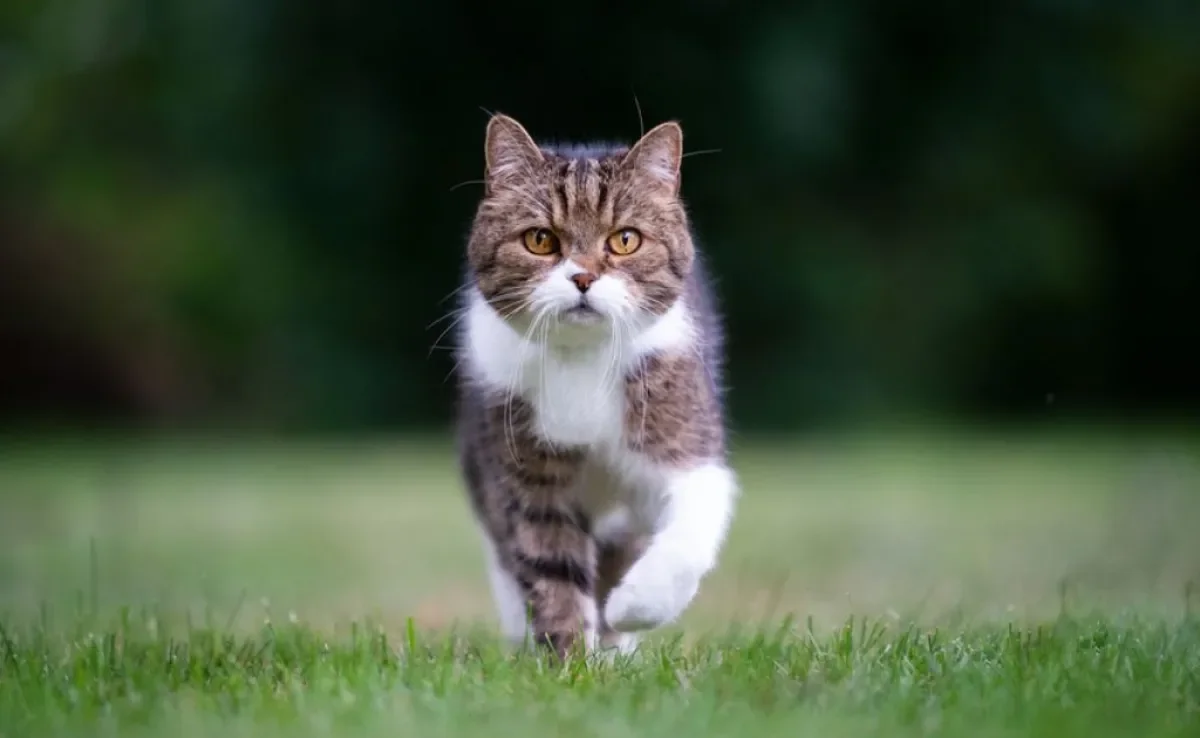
(582, 312)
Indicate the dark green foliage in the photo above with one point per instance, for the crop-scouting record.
(220, 211)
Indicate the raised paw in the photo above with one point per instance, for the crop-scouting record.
(616, 642)
(655, 591)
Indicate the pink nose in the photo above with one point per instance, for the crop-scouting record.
(583, 280)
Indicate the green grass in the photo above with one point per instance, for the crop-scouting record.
(972, 586)
(1073, 677)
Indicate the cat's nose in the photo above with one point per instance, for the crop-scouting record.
(583, 280)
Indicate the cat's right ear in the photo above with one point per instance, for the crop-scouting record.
(510, 152)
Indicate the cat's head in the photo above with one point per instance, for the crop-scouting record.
(580, 238)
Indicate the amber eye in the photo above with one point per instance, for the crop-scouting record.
(624, 241)
(540, 241)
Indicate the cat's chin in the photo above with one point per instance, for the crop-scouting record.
(579, 328)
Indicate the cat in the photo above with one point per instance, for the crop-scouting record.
(590, 421)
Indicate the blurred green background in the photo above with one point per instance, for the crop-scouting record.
(239, 212)
(220, 217)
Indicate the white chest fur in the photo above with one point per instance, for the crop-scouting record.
(577, 397)
(576, 388)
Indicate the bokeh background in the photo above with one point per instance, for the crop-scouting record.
(962, 232)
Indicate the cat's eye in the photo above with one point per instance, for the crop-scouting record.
(540, 241)
(625, 241)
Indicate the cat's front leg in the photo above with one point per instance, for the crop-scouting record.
(550, 549)
(693, 516)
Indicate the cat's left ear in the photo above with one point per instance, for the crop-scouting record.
(659, 154)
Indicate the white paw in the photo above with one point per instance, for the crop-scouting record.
(655, 591)
(614, 642)
(614, 647)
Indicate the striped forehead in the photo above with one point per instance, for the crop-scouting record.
(581, 187)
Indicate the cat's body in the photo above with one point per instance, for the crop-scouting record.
(591, 430)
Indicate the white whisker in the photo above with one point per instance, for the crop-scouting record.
(528, 340)
(510, 390)
(457, 291)
(545, 337)
(612, 369)
(457, 315)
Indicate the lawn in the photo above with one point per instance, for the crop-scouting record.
(900, 584)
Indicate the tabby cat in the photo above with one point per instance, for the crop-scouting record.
(590, 422)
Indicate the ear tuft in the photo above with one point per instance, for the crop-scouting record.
(659, 153)
(509, 150)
